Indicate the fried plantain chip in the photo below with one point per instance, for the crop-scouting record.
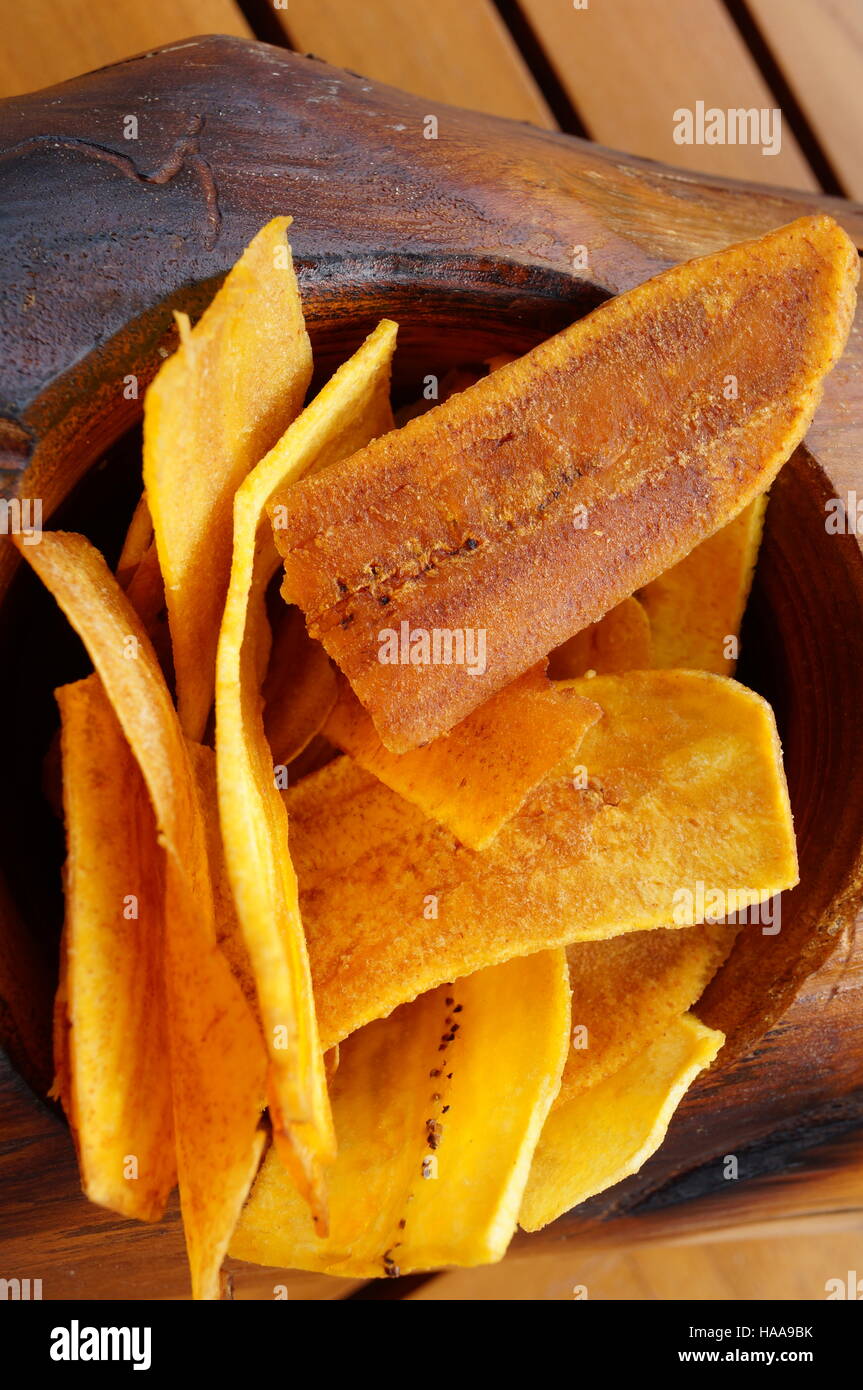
(626, 991)
(473, 779)
(348, 412)
(524, 508)
(145, 591)
(115, 1074)
(697, 605)
(680, 783)
(318, 753)
(217, 405)
(438, 1110)
(139, 539)
(300, 687)
(138, 573)
(618, 642)
(604, 1134)
(217, 1057)
(228, 933)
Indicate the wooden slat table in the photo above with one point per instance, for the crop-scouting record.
(44, 43)
(818, 45)
(628, 67)
(615, 71)
(459, 53)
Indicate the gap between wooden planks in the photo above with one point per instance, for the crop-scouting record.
(625, 66)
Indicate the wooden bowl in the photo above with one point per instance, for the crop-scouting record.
(468, 242)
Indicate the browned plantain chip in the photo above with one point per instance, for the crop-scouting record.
(527, 506)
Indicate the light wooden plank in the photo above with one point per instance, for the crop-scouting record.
(256, 1283)
(628, 66)
(45, 42)
(455, 51)
(789, 1268)
(818, 45)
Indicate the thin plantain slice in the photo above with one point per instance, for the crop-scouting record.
(629, 988)
(113, 1062)
(530, 504)
(350, 410)
(606, 1133)
(438, 1110)
(218, 1063)
(217, 405)
(695, 608)
(475, 778)
(680, 783)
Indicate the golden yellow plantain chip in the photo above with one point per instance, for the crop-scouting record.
(217, 405)
(680, 784)
(475, 778)
(228, 933)
(697, 605)
(113, 1063)
(626, 991)
(146, 593)
(618, 642)
(139, 539)
(437, 1110)
(350, 410)
(300, 688)
(605, 1134)
(138, 573)
(218, 1065)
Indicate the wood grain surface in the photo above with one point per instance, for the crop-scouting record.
(629, 66)
(45, 43)
(818, 46)
(452, 52)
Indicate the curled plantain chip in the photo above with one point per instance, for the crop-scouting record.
(300, 688)
(680, 783)
(217, 405)
(604, 1134)
(438, 1110)
(218, 1063)
(695, 608)
(113, 1061)
(139, 539)
(627, 989)
(349, 411)
(475, 778)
